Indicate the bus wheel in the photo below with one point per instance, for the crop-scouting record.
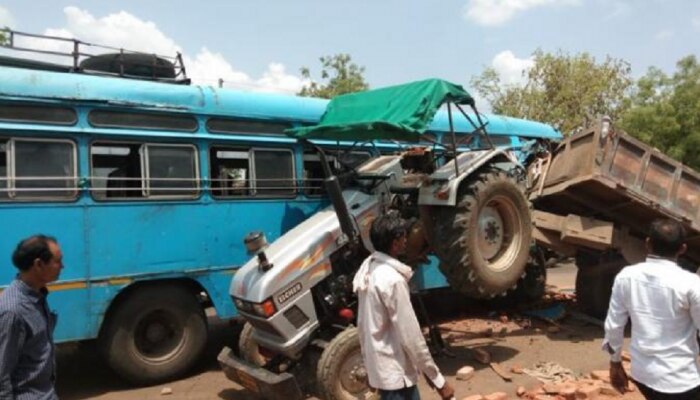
(156, 334)
(341, 373)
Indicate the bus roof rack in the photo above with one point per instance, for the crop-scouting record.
(89, 58)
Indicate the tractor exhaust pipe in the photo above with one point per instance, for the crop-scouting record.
(335, 194)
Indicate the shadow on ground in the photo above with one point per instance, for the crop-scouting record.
(83, 374)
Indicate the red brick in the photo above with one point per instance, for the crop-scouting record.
(481, 356)
(496, 396)
(588, 392)
(520, 391)
(551, 388)
(601, 375)
(568, 390)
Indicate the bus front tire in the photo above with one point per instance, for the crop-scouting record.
(156, 334)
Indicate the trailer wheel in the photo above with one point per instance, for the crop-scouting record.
(483, 242)
(341, 374)
(248, 348)
(155, 334)
(594, 281)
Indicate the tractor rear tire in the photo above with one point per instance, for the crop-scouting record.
(484, 242)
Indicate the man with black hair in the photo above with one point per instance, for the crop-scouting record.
(663, 303)
(27, 353)
(393, 346)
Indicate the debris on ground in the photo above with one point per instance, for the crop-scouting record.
(166, 391)
(569, 388)
(555, 312)
(547, 371)
(501, 372)
(516, 369)
(496, 396)
(465, 373)
(481, 356)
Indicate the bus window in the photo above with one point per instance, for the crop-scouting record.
(120, 119)
(240, 172)
(238, 126)
(116, 171)
(37, 114)
(313, 171)
(230, 170)
(4, 179)
(172, 170)
(44, 169)
(274, 172)
(119, 169)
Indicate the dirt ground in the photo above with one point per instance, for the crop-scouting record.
(504, 333)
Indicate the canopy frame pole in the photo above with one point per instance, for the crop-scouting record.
(480, 127)
(454, 137)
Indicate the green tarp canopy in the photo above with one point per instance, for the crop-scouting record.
(400, 112)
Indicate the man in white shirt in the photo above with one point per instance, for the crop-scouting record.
(663, 303)
(393, 346)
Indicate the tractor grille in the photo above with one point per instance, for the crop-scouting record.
(296, 317)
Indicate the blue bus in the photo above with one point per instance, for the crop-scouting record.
(150, 187)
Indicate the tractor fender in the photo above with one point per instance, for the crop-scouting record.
(442, 186)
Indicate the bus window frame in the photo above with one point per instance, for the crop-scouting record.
(145, 196)
(72, 110)
(190, 117)
(253, 184)
(12, 194)
(145, 173)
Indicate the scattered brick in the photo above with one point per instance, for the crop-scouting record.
(588, 392)
(465, 373)
(601, 375)
(609, 390)
(481, 356)
(516, 369)
(474, 397)
(551, 388)
(568, 391)
(166, 391)
(520, 391)
(496, 396)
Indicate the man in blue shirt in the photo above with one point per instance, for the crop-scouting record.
(27, 353)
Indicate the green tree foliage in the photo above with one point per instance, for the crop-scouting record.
(341, 76)
(563, 90)
(665, 111)
(3, 37)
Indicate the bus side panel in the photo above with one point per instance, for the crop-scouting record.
(173, 240)
(65, 223)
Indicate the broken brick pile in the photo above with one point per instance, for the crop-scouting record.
(595, 385)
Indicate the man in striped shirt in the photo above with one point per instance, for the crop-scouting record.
(27, 353)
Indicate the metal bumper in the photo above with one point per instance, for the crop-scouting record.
(265, 384)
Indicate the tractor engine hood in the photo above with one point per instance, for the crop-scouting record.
(301, 257)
